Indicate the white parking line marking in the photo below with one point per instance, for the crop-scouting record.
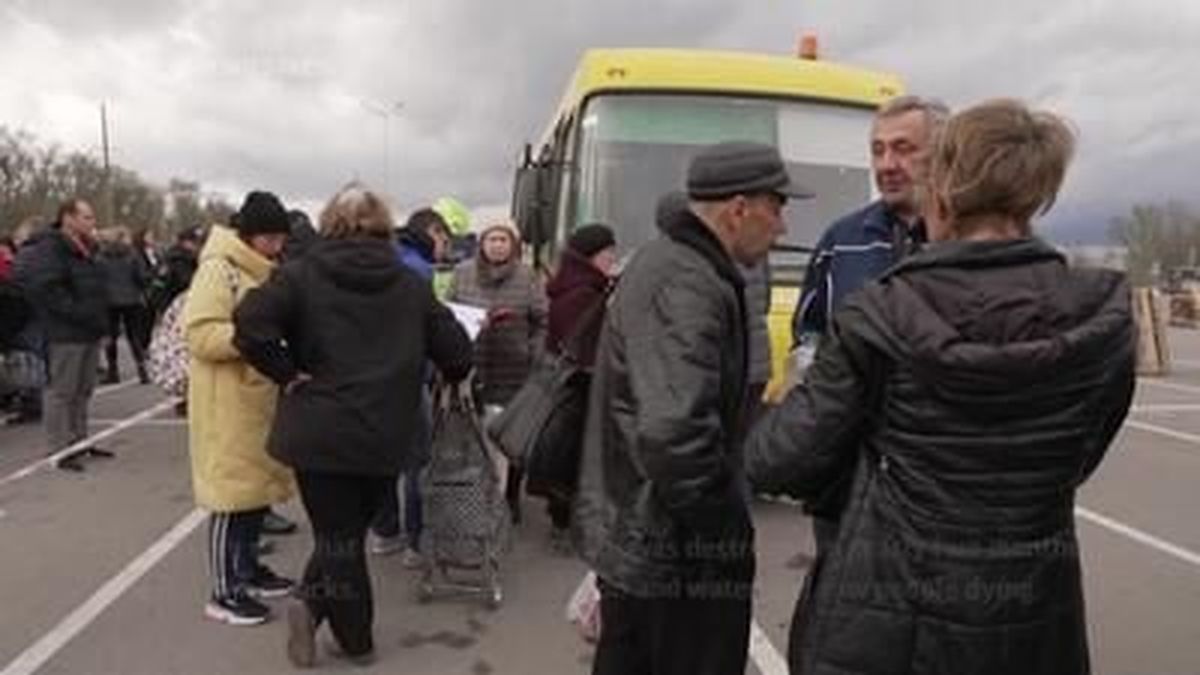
(766, 658)
(1164, 431)
(1165, 407)
(44, 649)
(177, 422)
(1174, 386)
(113, 388)
(90, 440)
(1162, 545)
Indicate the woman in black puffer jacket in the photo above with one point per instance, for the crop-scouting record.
(964, 398)
(347, 332)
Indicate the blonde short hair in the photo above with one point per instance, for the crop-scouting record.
(356, 211)
(999, 158)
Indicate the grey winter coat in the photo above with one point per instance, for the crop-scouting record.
(506, 350)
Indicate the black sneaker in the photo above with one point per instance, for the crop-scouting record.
(266, 584)
(25, 417)
(69, 463)
(273, 523)
(240, 610)
(99, 453)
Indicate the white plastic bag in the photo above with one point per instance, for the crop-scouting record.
(583, 609)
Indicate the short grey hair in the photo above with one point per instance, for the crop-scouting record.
(936, 112)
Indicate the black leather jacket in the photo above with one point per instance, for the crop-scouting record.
(662, 505)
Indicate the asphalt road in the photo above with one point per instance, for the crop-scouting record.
(104, 572)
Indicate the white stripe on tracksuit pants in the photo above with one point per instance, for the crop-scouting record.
(233, 550)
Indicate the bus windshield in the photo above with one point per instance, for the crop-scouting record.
(635, 147)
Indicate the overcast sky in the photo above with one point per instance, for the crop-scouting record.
(277, 94)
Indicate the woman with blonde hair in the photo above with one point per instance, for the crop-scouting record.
(345, 331)
(964, 398)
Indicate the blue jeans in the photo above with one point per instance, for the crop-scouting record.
(387, 521)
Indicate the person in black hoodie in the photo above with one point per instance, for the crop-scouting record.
(420, 245)
(126, 278)
(31, 340)
(67, 287)
(178, 267)
(346, 333)
(301, 236)
(150, 262)
(967, 395)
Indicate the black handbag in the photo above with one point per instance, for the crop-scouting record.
(552, 467)
(518, 427)
(541, 428)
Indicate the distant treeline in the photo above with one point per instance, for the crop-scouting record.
(1158, 238)
(35, 178)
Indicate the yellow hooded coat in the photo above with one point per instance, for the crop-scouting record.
(230, 405)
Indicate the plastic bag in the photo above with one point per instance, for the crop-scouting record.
(583, 609)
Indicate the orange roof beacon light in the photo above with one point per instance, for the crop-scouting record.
(808, 47)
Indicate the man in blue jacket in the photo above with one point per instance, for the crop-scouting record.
(420, 244)
(861, 245)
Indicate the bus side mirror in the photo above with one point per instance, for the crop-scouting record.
(527, 210)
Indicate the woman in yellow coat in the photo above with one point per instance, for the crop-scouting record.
(230, 410)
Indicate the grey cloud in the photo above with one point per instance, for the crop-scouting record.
(103, 16)
(242, 94)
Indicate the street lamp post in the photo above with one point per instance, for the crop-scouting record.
(385, 113)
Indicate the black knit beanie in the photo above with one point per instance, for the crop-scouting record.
(261, 213)
(589, 240)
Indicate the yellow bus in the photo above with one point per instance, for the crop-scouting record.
(631, 119)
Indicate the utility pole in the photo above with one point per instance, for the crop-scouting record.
(385, 114)
(107, 192)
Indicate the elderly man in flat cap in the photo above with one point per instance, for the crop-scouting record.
(662, 510)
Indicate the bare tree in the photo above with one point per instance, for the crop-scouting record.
(1157, 238)
(34, 179)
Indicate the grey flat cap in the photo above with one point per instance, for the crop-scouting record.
(739, 168)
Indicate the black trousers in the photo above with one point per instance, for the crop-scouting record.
(336, 585)
(560, 512)
(130, 318)
(672, 636)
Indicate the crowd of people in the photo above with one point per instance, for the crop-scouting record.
(959, 382)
